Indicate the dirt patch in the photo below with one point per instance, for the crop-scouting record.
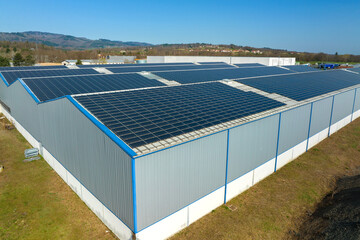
(337, 215)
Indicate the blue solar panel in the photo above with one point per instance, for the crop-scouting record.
(304, 85)
(219, 74)
(146, 116)
(32, 68)
(165, 68)
(301, 68)
(54, 87)
(357, 70)
(11, 76)
(249, 65)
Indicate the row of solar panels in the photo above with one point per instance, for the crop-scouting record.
(177, 72)
(48, 88)
(150, 115)
(11, 76)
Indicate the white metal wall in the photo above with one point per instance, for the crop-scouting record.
(343, 105)
(268, 61)
(320, 116)
(169, 180)
(294, 127)
(251, 145)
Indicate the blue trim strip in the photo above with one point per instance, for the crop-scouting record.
(227, 164)
(3, 78)
(103, 128)
(331, 114)
(134, 194)
(308, 136)
(28, 90)
(353, 106)
(277, 142)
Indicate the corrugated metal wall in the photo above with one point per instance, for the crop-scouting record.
(294, 127)
(320, 118)
(3, 90)
(169, 180)
(343, 104)
(85, 151)
(230, 60)
(251, 145)
(24, 109)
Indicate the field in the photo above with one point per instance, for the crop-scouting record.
(36, 204)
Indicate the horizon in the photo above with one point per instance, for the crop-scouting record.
(292, 26)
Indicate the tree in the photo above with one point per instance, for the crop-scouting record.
(78, 62)
(7, 50)
(29, 60)
(18, 60)
(14, 49)
(4, 62)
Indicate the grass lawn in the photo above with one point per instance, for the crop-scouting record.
(279, 203)
(35, 203)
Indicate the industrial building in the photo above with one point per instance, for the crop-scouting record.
(151, 148)
(267, 61)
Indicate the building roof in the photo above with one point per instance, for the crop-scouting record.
(151, 110)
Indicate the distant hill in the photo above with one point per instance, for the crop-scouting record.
(65, 41)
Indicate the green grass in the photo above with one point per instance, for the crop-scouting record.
(34, 201)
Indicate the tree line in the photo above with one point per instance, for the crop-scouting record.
(27, 53)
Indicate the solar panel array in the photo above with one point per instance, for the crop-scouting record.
(54, 87)
(206, 75)
(165, 68)
(147, 116)
(304, 86)
(301, 68)
(32, 68)
(249, 65)
(11, 76)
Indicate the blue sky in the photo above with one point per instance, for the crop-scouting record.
(314, 26)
